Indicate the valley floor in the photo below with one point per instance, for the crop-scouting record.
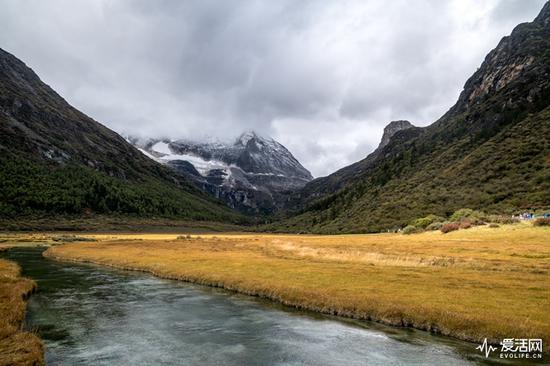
(468, 284)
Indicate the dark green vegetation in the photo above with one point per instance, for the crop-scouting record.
(490, 151)
(56, 160)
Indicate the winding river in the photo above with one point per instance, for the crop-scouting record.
(91, 315)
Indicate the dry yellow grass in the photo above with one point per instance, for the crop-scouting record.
(468, 284)
(16, 347)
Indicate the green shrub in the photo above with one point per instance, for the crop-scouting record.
(424, 222)
(450, 226)
(35, 187)
(467, 213)
(434, 226)
(542, 221)
(411, 230)
(493, 225)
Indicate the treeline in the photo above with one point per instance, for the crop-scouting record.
(29, 187)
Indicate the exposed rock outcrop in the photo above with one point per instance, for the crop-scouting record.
(391, 129)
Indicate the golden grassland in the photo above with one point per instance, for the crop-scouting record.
(16, 347)
(468, 284)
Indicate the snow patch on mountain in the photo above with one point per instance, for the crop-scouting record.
(161, 147)
(253, 171)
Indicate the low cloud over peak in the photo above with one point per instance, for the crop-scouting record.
(321, 77)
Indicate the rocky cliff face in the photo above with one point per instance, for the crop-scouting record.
(391, 129)
(253, 174)
(516, 69)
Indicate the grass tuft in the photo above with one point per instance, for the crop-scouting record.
(16, 347)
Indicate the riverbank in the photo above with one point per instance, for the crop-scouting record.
(16, 346)
(470, 284)
(93, 315)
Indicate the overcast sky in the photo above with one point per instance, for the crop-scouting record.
(321, 77)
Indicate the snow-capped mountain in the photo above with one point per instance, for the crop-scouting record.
(252, 174)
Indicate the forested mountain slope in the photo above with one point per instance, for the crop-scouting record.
(56, 160)
(490, 151)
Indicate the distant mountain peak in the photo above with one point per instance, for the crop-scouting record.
(391, 129)
(247, 136)
(252, 173)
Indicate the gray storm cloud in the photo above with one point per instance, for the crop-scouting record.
(322, 77)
